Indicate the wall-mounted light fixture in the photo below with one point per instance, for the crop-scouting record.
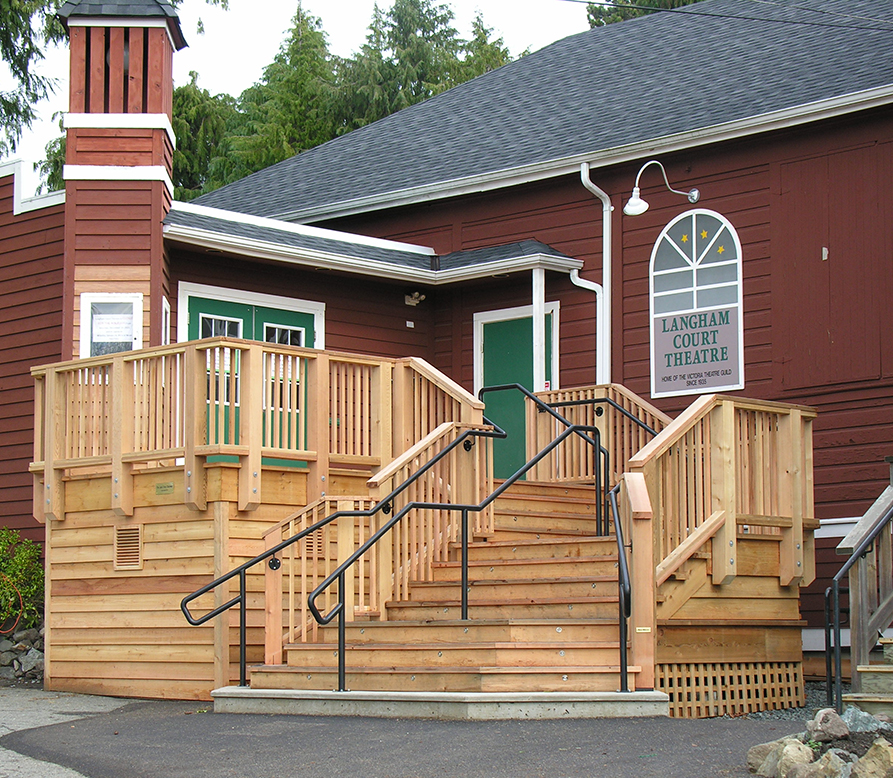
(413, 299)
(636, 205)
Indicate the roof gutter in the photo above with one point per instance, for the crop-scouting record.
(768, 122)
(354, 265)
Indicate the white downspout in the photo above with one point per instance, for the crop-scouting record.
(603, 367)
(539, 329)
(591, 286)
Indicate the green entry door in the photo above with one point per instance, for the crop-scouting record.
(508, 359)
(212, 318)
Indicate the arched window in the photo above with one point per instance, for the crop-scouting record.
(697, 331)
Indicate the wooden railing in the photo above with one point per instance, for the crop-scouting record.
(725, 463)
(870, 580)
(179, 405)
(408, 554)
(620, 435)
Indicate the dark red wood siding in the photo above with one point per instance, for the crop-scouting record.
(30, 332)
(816, 331)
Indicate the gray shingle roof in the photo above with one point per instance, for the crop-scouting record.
(352, 249)
(143, 9)
(704, 65)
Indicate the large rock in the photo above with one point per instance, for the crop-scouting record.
(787, 753)
(826, 726)
(757, 754)
(860, 721)
(877, 763)
(32, 662)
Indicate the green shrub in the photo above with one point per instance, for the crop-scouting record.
(21, 573)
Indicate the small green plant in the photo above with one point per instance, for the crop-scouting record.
(21, 581)
(814, 745)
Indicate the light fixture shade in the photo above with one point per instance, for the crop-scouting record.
(635, 205)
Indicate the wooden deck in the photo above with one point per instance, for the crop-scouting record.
(144, 507)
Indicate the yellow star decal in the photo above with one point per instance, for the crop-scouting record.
(685, 238)
(704, 234)
(721, 249)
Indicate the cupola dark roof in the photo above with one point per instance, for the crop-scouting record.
(125, 9)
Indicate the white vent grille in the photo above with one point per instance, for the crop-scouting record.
(129, 547)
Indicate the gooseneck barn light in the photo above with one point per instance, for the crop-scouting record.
(636, 205)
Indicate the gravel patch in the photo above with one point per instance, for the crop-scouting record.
(816, 699)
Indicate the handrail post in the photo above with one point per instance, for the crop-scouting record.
(243, 630)
(643, 613)
(342, 637)
(195, 411)
(464, 564)
(838, 688)
(829, 696)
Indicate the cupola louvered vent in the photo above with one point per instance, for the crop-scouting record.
(129, 547)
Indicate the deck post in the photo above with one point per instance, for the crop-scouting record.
(722, 470)
(54, 437)
(643, 616)
(273, 604)
(251, 376)
(122, 424)
(195, 412)
(791, 498)
(319, 419)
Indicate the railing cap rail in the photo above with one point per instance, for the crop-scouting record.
(411, 453)
(444, 382)
(697, 411)
(868, 523)
(605, 389)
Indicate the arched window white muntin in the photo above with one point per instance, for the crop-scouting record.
(696, 270)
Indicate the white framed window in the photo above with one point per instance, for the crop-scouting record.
(165, 321)
(110, 323)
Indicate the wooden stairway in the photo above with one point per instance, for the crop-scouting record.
(543, 614)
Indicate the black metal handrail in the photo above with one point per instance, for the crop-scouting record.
(601, 478)
(624, 586)
(832, 610)
(382, 505)
(338, 573)
(598, 411)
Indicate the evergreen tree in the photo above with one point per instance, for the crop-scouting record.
(200, 125)
(620, 10)
(481, 54)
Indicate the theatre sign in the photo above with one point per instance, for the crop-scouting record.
(697, 326)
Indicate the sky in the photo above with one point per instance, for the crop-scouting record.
(226, 64)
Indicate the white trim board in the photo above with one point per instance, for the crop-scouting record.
(187, 289)
(118, 173)
(120, 121)
(22, 204)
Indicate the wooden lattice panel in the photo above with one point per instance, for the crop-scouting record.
(702, 690)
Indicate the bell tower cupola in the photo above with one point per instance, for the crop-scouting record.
(118, 173)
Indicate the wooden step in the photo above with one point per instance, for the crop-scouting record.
(492, 630)
(497, 654)
(454, 679)
(520, 569)
(876, 679)
(539, 521)
(517, 590)
(605, 607)
(540, 548)
(874, 704)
